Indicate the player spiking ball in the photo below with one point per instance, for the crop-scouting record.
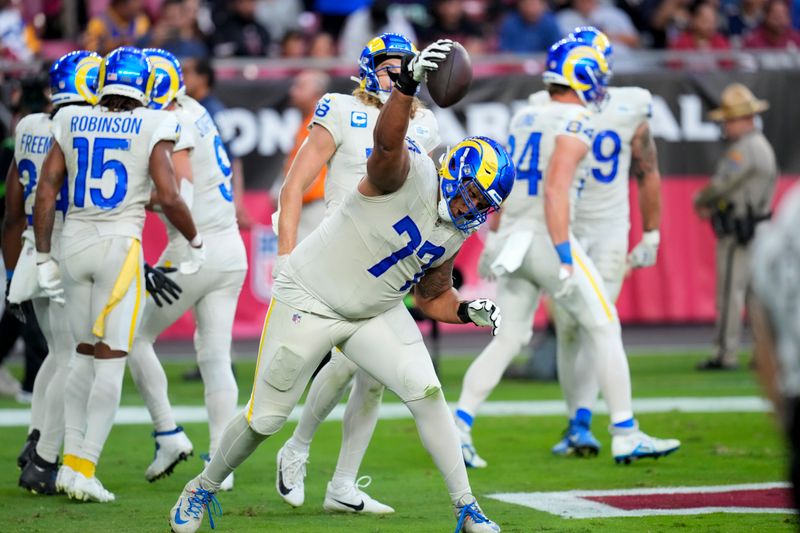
(401, 229)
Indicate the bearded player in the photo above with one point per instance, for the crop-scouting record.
(399, 229)
(341, 137)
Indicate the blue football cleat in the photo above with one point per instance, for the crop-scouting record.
(578, 441)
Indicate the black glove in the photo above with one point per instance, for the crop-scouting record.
(159, 285)
(19, 311)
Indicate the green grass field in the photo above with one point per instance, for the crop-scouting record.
(717, 449)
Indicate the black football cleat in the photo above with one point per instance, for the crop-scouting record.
(39, 476)
(28, 449)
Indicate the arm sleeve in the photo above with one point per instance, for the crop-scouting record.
(328, 115)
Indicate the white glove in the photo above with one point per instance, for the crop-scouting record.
(481, 312)
(566, 275)
(646, 252)
(49, 277)
(196, 258)
(490, 251)
(278, 265)
(428, 59)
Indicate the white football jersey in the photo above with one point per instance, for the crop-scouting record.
(108, 155)
(602, 193)
(350, 123)
(532, 140)
(32, 140)
(366, 255)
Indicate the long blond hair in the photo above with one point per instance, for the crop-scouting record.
(368, 98)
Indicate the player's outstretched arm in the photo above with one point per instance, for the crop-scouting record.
(644, 167)
(388, 165)
(14, 220)
(438, 299)
(568, 153)
(182, 163)
(175, 209)
(314, 154)
(54, 169)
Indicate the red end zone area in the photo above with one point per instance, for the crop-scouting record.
(749, 498)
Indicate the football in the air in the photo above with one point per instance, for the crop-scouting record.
(451, 81)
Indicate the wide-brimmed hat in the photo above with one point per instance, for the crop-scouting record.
(737, 101)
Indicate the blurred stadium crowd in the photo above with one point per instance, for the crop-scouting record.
(331, 28)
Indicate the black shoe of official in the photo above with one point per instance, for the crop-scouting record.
(28, 449)
(39, 476)
(714, 364)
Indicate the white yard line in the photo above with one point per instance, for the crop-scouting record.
(396, 411)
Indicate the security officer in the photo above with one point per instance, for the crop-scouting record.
(737, 199)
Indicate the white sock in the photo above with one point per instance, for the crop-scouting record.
(438, 433)
(76, 396)
(221, 394)
(238, 442)
(485, 372)
(102, 405)
(52, 432)
(358, 425)
(150, 379)
(40, 384)
(604, 344)
(325, 392)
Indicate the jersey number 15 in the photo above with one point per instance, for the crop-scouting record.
(96, 168)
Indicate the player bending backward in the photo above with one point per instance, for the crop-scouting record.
(204, 172)
(108, 154)
(73, 82)
(550, 142)
(341, 137)
(400, 228)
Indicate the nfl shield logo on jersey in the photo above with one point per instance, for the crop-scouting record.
(262, 259)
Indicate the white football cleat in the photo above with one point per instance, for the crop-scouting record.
(172, 447)
(468, 451)
(351, 499)
(628, 446)
(291, 471)
(89, 489)
(64, 479)
(225, 486)
(470, 517)
(186, 515)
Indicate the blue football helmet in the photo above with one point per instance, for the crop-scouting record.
(126, 71)
(378, 50)
(580, 67)
(595, 38)
(168, 82)
(73, 78)
(477, 167)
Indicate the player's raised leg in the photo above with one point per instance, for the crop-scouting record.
(326, 391)
(289, 352)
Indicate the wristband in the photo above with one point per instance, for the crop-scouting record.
(9, 274)
(463, 312)
(405, 82)
(564, 252)
(42, 257)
